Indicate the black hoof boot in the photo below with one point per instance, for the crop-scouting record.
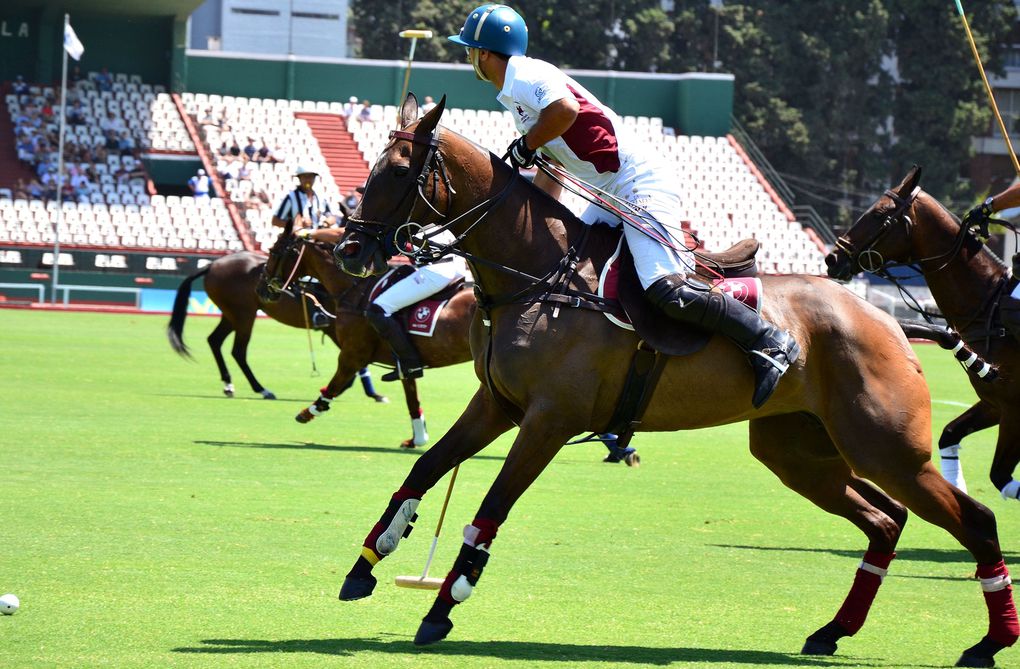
(435, 625)
(981, 654)
(823, 642)
(357, 587)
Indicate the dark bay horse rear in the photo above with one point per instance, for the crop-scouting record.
(853, 410)
(230, 282)
(909, 227)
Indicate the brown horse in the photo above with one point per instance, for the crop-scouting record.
(230, 282)
(359, 343)
(854, 408)
(909, 227)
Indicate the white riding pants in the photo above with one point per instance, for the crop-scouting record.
(425, 281)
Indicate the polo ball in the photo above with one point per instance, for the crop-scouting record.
(9, 604)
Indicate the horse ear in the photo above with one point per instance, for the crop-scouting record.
(409, 110)
(431, 119)
(909, 182)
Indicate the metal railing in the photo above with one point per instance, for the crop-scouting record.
(27, 286)
(805, 213)
(67, 288)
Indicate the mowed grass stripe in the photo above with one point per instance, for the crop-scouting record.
(146, 520)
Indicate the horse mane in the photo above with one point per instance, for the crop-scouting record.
(953, 217)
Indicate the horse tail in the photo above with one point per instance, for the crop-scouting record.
(175, 329)
(951, 340)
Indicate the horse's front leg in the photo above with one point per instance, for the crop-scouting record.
(539, 440)
(979, 417)
(476, 428)
(419, 435)
(347, 366)
(1007, 455)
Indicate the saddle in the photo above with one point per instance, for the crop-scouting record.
(420, 317)
(656, 329)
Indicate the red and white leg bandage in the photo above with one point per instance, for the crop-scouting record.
(870, 572)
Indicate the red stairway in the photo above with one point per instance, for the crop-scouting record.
(342, 156)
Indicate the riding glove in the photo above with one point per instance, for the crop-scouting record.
(977, 219)
(520, 155)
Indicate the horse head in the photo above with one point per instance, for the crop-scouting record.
(281, 263)
(880, 236)
(409, 187)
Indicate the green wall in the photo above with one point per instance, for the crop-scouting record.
(131, 44)
(693, 103)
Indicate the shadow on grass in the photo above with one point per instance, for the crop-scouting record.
(309, 446)
(248, 396)
(518, 650)
(937, 555)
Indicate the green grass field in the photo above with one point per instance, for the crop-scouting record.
(148, 521)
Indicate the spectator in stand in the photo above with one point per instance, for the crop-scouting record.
(126, 144)
(75, 76)
(112, 140)
(104, 80)
(234, 151)
(277, 155)
(429, 105)
(350, 107)
(35, 189)
(112, 122)
(264, 153)
(76, 114)
(243, 173)
(199, 185)
(249, 149)
(20, 88)
(365, 113)
(26, 148)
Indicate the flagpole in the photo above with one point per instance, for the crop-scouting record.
(60, 167)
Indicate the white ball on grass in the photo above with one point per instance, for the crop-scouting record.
(9, 604)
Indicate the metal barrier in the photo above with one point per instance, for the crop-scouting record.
(28, 286)
(67, 288)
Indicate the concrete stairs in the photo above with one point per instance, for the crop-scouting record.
(342, 156)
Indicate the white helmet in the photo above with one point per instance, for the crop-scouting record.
(301, 169)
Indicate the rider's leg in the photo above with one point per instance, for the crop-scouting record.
(663, 273)
(393, 332)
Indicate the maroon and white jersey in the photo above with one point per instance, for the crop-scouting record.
(594, 148)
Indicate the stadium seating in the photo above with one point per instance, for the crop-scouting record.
(724, 197)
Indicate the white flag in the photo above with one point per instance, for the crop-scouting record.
(72, 44)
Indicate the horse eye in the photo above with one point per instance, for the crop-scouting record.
(401, 170)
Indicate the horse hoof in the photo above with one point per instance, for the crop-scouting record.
(304, 417)
(632, 460)
(356, 587)
(268, 394)
(981, 654)
(381, 399)
(610, 458)
(429, 632)
(407, 443)
(815, 647)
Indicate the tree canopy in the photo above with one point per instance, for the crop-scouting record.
(840, 95)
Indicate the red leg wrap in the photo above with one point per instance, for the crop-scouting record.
(398, 498)
(323, 391)
(1002, 621)
(855, 607)
(486, 531)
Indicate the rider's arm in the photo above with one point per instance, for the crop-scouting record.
(279, 222)
(546, 183)
(553, 121)
(1007, 199)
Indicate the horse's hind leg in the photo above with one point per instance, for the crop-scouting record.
(798, 450)
(240, 353)
(979, 417)
(1007, 454)
(482, 421)
(216, 339)
(906, 472)
(419, 434)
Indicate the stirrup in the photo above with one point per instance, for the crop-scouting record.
(400, 373)
(770, 363)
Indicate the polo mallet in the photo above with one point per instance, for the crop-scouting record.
(988, 87)
(423, 582)
(308, 329)
(413, 35)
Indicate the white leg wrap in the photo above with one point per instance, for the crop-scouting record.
(421, 435)
(229, 388)
(993, 584)
(388, 540)
(952, 470)
(1011, 490)
(872, 569)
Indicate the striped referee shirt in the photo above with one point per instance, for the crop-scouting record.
(297, 202)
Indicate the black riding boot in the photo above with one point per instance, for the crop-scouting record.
(770, 350)
(409, 364)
